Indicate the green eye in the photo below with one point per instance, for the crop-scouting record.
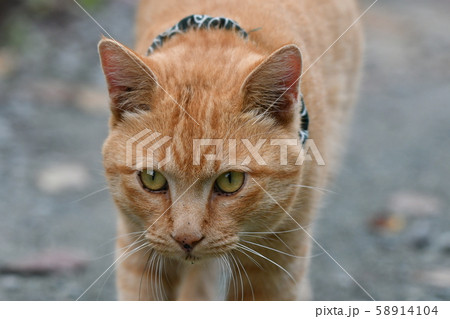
(229, 182)
(153, 180)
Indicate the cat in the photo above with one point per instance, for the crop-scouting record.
(233, 222)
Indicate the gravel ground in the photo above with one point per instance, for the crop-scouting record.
(386, 221)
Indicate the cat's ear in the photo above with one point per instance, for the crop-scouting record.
(273, 87)
(130, 81)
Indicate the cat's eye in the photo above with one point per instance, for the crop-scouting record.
(229, 182)
(153, 180)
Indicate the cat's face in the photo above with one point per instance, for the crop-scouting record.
(195, 206)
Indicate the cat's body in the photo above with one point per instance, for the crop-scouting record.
(211, 75)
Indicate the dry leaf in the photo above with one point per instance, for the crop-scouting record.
(387, 223)
(438, 277)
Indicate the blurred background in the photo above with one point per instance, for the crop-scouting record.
(386, 222)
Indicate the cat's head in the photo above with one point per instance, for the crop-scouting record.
(194, 155)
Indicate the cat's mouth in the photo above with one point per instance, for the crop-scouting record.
(194, 257)
(191, 258)
(186, 252)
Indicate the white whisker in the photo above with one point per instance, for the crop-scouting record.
(275, 250)
(266, 258)
(250, 257)
(132, 234)
(226, 278)
(135, 250)
(282, 241)
(273, 232)
(89, 195)
(117, 250)
(151, 282)
(240, 276)
(256, 236)
(248, 278)
(233, 277)
(150, 253)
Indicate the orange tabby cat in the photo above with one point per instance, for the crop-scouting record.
(229, 219)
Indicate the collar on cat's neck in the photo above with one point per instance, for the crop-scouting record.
(201, 21)
(303, 133)
(196, 21)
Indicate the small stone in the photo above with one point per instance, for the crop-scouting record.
(414, 204)
(62, 177)
(438, 277)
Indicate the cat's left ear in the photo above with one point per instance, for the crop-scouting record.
(273, 87)
(130, 81)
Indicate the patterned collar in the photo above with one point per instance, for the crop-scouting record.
(303, 133)
(201, 21)
(196, 21)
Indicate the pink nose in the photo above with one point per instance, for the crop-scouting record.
(188, 241)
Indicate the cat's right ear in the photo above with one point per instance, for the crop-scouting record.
(272, 89)
(130, 81)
